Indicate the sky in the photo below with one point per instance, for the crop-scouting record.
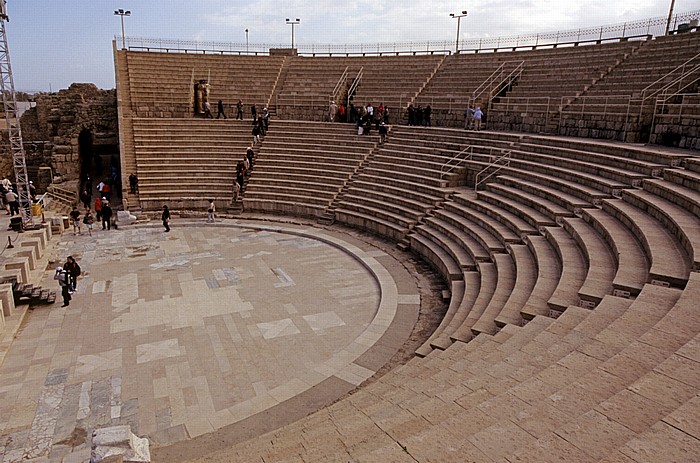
(54, 43)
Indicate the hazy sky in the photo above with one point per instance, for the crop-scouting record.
(55, 42)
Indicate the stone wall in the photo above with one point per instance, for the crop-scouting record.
(50, 130)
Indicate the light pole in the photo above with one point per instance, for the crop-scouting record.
(459, 18)
(670, 15)
(246, 41)
(293, 23)
(121, 13)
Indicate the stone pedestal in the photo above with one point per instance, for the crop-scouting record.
(21, 264)
(8, 300)
(125, 218)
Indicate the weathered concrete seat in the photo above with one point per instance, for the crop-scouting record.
(681, 222)
(542, 205)
(457, 290)
(447, 238)
(548, 276)
(486, 323)
(426, 244)
(441, 338)
(632, 264)
(464, 240)
(489, 283)
(507, 218)
(600, 263)
(369, 220)
(479, 233)
(669, 262)
(525, 281)
(8, 300)
(531, 215)
(573, 272)
(569, 201)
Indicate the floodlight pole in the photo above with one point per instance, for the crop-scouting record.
(670, 15)
(121, 13)
(246, 41)
(459, 19)
(293, 23)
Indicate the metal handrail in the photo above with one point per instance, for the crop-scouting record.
(448, 167)
(356, 82)
(506, 155)
(62, 195)
(341, 83)
(488, 85)
(643, 97)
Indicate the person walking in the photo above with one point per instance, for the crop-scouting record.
(133, 183)
(98, 209)
(468, 117)
(207, 110)
(478, 114)
(250, 154)
(106, 215)
(254, 112)
(75, 217)
(88, 220)
(220, 110)
(13, 201)
(73, 270)
(62, 277)
(239, 110)
(210, 211)
(165, 216)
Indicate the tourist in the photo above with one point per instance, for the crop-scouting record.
(88, 220)
(256, 134)
(165, 216)
(133, 183)
(332, 111)
(220, 110)
(239, 110)
(207, 110)
(32, 191)
(98, 209)
(72, 268)
(236, 190)
(478, 114)
(75, 217)
(254, 112)
(106, 215)
(266, 118)
(426, 116)
(469, 117)
(419, 115)
(62, 277)
(250, 154)
(240, 174)
(85, 198)
(261, 126)
(13, 201)
(411, 114)
(107, 190)
(383, 130)
(341, 113)
(386, 115)
(210, 211)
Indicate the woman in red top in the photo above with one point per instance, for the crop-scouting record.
(98, 208)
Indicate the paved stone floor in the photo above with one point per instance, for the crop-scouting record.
(183, 334)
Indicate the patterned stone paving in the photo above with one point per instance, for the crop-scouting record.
(182, 334)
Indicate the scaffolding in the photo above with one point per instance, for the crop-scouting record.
(14, 130)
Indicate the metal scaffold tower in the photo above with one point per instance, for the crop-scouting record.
(12, 120)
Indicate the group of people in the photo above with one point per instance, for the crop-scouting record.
(261, 124)
(243, 168)
(9, 196)
(357, 114)
(417, 115)
(103, 212)
(472, 118)
(67, 277)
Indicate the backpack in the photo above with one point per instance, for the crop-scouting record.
(77, 270)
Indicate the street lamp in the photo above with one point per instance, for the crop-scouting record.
(670, 15)
(293, 23)
(122, 13)
(246, 41)
(459, 18)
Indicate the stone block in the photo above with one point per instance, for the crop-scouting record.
(125, 218)
(57, 225)
(8, 300)
(11, 276)
(35, 243)
(29, 254)
(119, 441)
(21, 264)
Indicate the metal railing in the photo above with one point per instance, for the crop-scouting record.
(356, 83)
(62, 196)
(501, 161)
(456, 161)
(341, 84)
(498, 80)
(655, 26)
(671, 111)
(675, 80)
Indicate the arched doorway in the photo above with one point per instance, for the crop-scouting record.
(98, 150)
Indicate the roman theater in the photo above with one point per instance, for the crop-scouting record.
(525, 292)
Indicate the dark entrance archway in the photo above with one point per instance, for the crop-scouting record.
(99, 161)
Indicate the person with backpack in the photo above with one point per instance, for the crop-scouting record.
(106, 215)
(88, 220)
(75, 218)
(62, 277)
